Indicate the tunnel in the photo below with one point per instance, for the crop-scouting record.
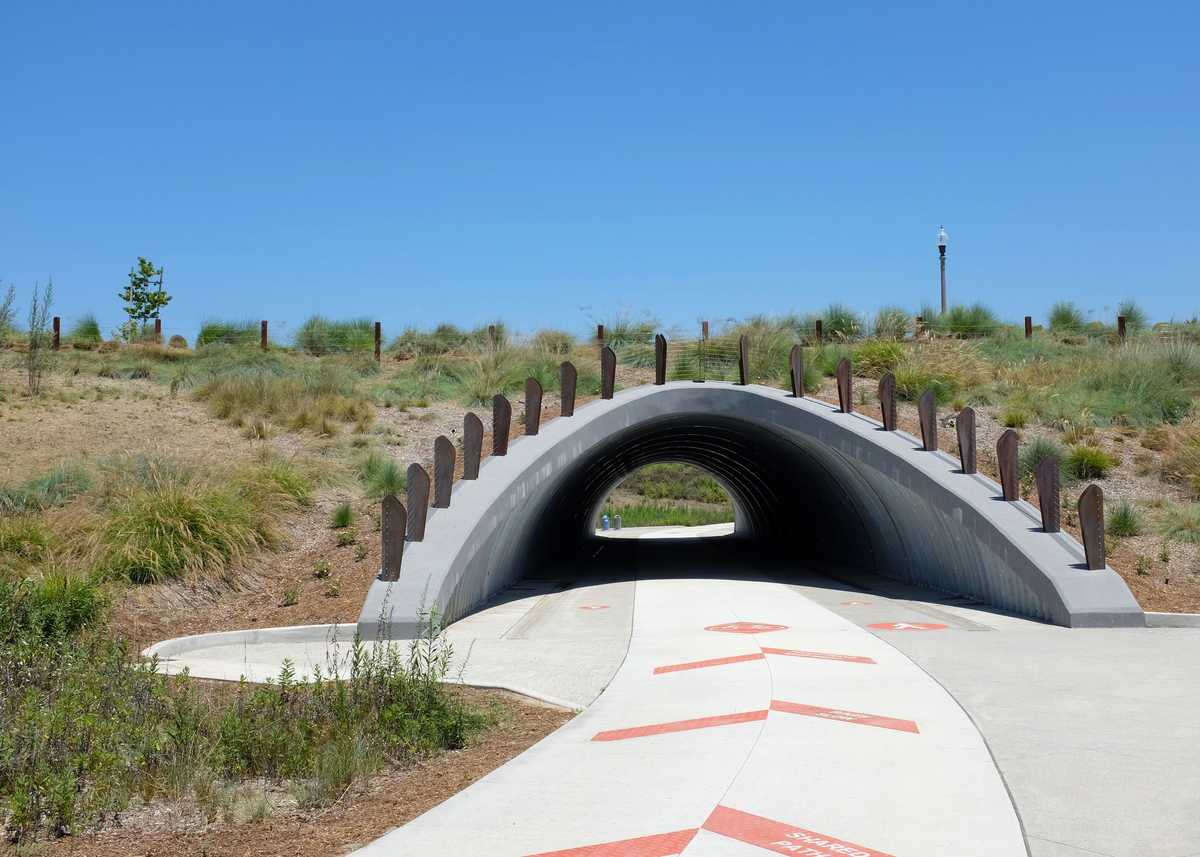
(812, 487)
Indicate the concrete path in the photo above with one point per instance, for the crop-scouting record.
(858, 727)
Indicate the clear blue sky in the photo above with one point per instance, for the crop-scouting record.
(553, 163)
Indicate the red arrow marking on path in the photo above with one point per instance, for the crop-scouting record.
(854, 603)
(596, 607)
(909, 626)
(659, 845)
(844, 716)
(746, 628)
(824, 656)
(711, 662)
(680, 725)
(781, 838)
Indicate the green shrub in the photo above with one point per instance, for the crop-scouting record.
(1124, 520)
(1066, 317)
(56, 605)
(556, 342)
(55, 488)
(319, 335)
(443, 339)
(85, 332)
(891, 323)
(1135, 316)
(963, 322)
(875, 358)
(232, 333)
(342, 516)
(381, 475)
(1033, 453)
(1089, 462)
(841, 322)
(1183, 463)
(22, 538)
(173, 528)
(1013, 417)
(666, 515)
(675, 481)
(1180, 521)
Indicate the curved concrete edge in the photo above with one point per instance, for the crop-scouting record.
(1172, 620)
(178, 648)
(341, 633)
(471, 542)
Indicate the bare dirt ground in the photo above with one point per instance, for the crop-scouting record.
(365, 813)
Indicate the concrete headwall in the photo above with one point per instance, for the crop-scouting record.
(816, 482)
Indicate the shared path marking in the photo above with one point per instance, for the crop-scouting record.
(908, 626)
(708, 741)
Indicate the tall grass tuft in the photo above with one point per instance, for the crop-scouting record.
(1066, 317)
(55, 488)
(381, 475)
(1135, 316)
(224, 332)
(891, 323)
(963, 322)
(85, 332)
(319, 335)
(1035, 452)
(1123, 520)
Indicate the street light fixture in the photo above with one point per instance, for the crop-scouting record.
(942, 238)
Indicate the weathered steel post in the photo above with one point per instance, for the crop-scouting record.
(796, 363)
(845, 386)
(927, 416)
(568, 377)
(1006, 461)
(1091, 525)
(533, 405)
(443, 471)
(964, 425)
(418, 501)
(501, 424)
(887, 401)
(608, 372)
(1049, 482)
(394, 523)
(472, 445)
(660, 359)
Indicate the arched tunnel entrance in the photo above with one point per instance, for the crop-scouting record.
(791, 499)
(811, 486)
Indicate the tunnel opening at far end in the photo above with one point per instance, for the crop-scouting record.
(666, 499)
(790, 501)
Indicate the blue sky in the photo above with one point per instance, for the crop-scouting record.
(556, 163)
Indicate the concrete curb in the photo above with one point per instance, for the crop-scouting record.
(1172, 620)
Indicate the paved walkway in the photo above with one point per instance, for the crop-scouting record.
(854, 728)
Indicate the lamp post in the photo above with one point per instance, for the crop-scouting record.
(942, 238)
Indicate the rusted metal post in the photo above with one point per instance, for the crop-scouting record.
(820, 332)
(608, 372)
(262, 335)
(660, 359)
(964, 425)
(1006, 461)
(845, 386)
(1049, 483)
(501, 424)
(493, 337)
(443, 471)
(378, 339)
(568, 377)
(394, 523)
(1121, 327)
(796, 363)
(918, 326)
(472, 445)
(887, 401)
(600, 338)
(1028, 327)
(418, 501)
(533, 405)
(702, 357)
(1091, 525)
(56, 336)
(743, 360)
(927, 416)
(158, 331)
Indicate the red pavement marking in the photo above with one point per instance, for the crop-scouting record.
(909, 626)
(844, 716)
(854, 603)
(746, 628)
(596, 607)
(824, 656)
(659, 845)
(781, 838)
(680, 725)
(711, 662)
